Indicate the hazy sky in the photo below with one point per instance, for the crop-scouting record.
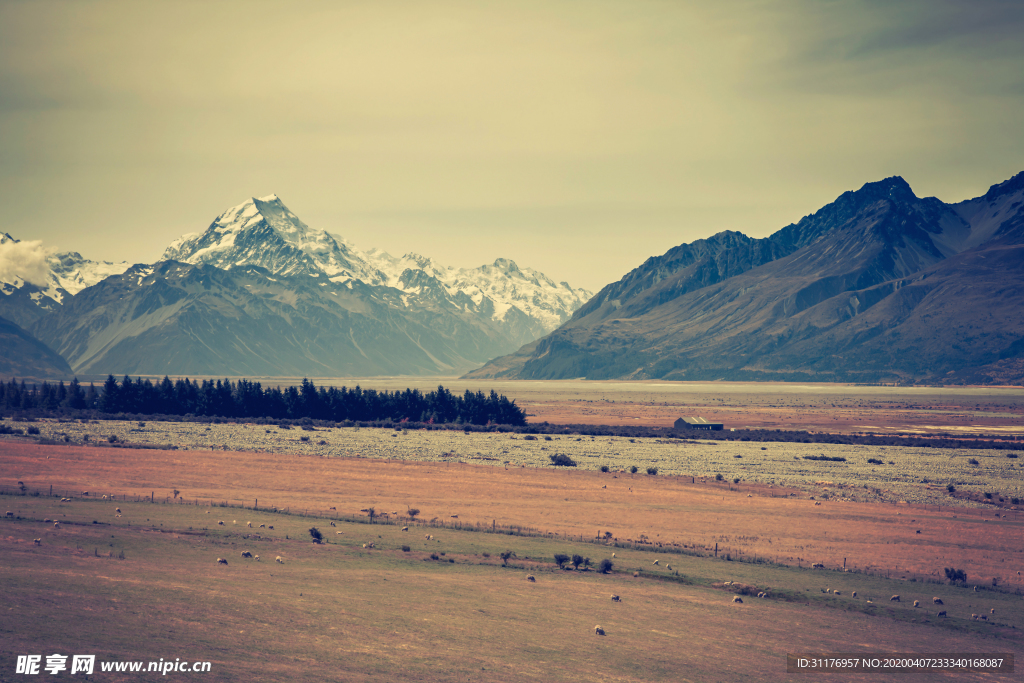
(578, 138)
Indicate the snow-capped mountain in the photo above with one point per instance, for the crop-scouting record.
(264, 232)
(36, 282)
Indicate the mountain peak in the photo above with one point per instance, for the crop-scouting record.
(893, 187)
(1006, 187)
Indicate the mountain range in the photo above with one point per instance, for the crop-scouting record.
(878, 286)
(260, 293)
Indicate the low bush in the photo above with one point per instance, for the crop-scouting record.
(561, 460)
(719, 477)
(632, 470)
(604, 468)
(406, 548)
(561, 559)
(33, 430)
(951, 488)
(652, 471)
(972, 461)
(605, 566)
(875, 461)
(826, 458)
(736, 480)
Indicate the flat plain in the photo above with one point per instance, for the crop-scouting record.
(348, 612)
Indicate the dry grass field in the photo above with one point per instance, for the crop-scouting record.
(344, 612)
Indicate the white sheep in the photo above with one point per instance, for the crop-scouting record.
(937, 601)
(894, 598)
(942, 613)
(616, 598)
(656, 562)
(613, 555)
(37, 541)
(737, 598)
(263, 526)
(117, 509)
(854, 594)
(279, 560)
(257, 558)
(248, 524)
(531, 577)
(598, 630)
(668, 567)
(246, 553)
(405, 528)
(917, 603)
(221, 560)
(836, 593)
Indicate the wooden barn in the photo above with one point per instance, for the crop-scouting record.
(698, 423)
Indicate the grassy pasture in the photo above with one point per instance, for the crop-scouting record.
(344, 612)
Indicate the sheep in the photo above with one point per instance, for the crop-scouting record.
(37, 541)
(221, 523)
(221, 560)
(853, 594)
(263, 526)
(56, 525)
(9, 514)
(248, 524)
(817, 503)
(613, 555)
(917, 603)
(870, 602)
(598, 630)
(616, 598)
(668, 567)
(837, 593)
(455, 516)
(339, 533)
(333, 524)
(246, 553)
(117, 509)
(894, 598)
(531, 577)
(937, 601)
(975, 589)
(279, 559)
(817, 565)
(405, 528)
(737, 598)
(655, 562)
(941, 614)
(257, 558)
(105, 497)
(271, 527)
(992, 611)
(427, 536)
(983, 617)
(636, 574)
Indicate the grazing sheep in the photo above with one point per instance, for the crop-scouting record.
(817, 565)
(636, 574)
(598, 630)
(105, 497)
(405, 528)
(837, 593)
(263, 526)
(85, 493)
(37, 541)
(531, 577)
(221, 523)
(56, 525)
(271, 527)
(339, 532)
(894, 598)
(9, 514)
(983, 617)
(917, 603)
(333, 524)
(941, 614)
(853, 594)
(975, 589)
(870, 602)
(760, 594)
(937, 601)
(817, 503)
(455, 516)
(279, 560)
(246, 553)
(656, 562)
(221, 560)
(616, 598)
(668, 567)
(992, 611)
(257, 558)
(248, 524)
(737, 598)
(117, 509)
(613, 555)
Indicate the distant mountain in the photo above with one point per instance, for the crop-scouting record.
(25, 302)
(181, 318)
(24, 356)
(879, 285)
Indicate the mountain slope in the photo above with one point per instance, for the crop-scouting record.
(879, 285)
(24, 356)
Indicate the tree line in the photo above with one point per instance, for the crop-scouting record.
(217, 398)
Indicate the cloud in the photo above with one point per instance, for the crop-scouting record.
(25, 260)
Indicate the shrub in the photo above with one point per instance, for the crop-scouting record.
(875, 461)
(303, 438)
(560, 460)
(956, 574)
(547, 438)
(412, 512)
(604, 468)
(434, 556)
(736, 480)
(561, 559)
(826, 458)
(33, 430)
(315, 533)
(719, 477)
(988, 495)
(605, 566)
(486, 554)
(1011, 455)
(112, 438)
(632, 470)
(284, 426)
(972, 461)
(406, 548)
(577, 560)
(951, 488)
(652, 471)
(529, 437)
(506, 556)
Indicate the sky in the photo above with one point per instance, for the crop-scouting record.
(577, 138)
